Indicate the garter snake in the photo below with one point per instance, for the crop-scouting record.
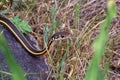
(25, 43)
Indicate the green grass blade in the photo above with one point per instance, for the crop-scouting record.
(53, 16)
(15, 69)
(100, 42)
(62, 63)
(77, 13)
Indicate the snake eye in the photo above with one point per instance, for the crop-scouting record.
(62, 36)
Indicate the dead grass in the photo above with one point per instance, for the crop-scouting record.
(77, 58)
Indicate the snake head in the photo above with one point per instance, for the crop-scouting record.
(61, 35)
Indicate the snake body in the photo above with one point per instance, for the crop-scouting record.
(25, 43)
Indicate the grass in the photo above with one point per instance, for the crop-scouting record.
(15, 70)
(86, 21)
(99, 45)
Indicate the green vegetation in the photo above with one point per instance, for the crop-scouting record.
(99, 45)
(15, 70)
(77, 14)
(21, 25)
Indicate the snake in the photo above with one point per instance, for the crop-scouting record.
(25, 43)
